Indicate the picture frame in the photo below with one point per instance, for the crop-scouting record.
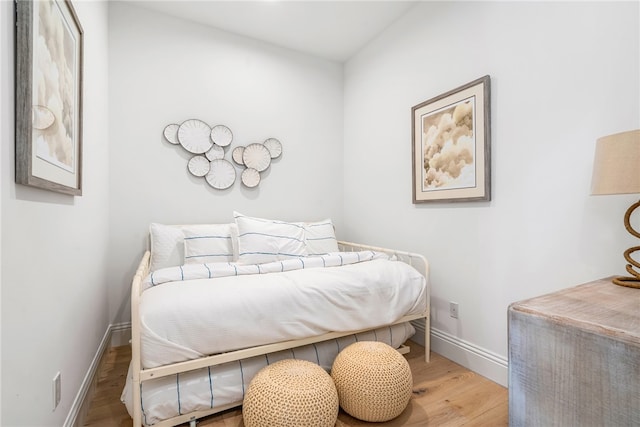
(48, 101)
(451, 145)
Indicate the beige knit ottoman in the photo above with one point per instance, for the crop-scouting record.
(291, 393)
(373, 380)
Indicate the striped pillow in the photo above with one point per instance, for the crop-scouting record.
(208, 243)
(320, 237)
(264, 240)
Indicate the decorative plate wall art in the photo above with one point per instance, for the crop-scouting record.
(199, 165)
(216, 152)
(193, 135)
(171, 134)
(222, 174)
(274, 146)
(250, 177)
(256, 156)
(221, 135)
(209, 146)
(236, 155)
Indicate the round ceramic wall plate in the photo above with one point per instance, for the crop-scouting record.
(193, 135)
(250, 177)
(256, 156)
(198, 165)
(274, 146)
(221, 135)
(222, 174)
(236, 154)
(171, 133)
(216, 152)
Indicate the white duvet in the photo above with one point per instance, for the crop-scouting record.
(188, 319)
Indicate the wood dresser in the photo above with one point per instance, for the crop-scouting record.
(574, 357)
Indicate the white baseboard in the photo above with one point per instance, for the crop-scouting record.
(479, 360)
(115, 335)
(120, 334)
(73, 417)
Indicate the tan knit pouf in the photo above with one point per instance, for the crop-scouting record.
(291, 393)
(373, 380)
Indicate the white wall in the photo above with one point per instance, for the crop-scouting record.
(562, 75)
(54, 248)
(165, 70)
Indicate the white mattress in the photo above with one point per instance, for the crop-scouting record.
(182, 320)
(225, 385)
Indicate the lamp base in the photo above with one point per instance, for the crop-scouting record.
(630, 282)
(634, 281)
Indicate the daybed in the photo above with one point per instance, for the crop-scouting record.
(213, 304)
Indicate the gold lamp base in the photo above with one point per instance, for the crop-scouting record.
(634, 281)
(629, 282)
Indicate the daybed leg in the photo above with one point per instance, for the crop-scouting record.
(192, 423)
(427, 337)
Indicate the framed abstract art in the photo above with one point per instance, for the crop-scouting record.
(451, 140)
(49, 50)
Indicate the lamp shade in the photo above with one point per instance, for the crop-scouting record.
(616, 166)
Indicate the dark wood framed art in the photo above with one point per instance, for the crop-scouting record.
(451, 145)
(49, 55)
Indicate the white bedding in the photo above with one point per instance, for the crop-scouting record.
(225, 385)
(182, 320)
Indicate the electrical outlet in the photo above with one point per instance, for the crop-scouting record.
(453, 309)
(57, 389)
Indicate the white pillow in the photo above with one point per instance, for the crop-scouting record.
(208, 243)
(166, 246)
(265, 240)
(320, 237)
(167, 243)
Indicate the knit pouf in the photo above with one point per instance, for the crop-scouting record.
(373, 380)
(291, 393)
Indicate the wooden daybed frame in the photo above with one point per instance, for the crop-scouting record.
(140, 375)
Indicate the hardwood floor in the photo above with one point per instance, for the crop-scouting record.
(445, 394)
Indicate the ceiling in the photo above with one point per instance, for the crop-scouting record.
(333, 30)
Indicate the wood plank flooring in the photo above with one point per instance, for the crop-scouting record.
(445, 394)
